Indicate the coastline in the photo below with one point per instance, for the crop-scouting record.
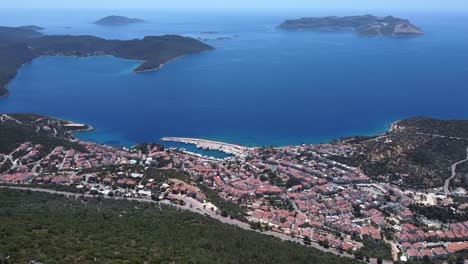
(141, 62)
(7, 92)
(160, 65)
(164, 63)
(232, 149)
(239, 150)
(72, 132)
(84, 130)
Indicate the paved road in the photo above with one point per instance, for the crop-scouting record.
(196, 208)
(454, 173)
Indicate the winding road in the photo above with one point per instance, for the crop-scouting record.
(454, 173)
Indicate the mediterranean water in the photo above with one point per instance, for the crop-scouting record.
(259, 87)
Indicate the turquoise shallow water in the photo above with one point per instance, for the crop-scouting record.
(262, 87)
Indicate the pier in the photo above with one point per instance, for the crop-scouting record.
(232, 149)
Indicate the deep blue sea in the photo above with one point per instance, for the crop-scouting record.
(261, 87)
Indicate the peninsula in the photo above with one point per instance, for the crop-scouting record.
(118, 21)
(19, 46)
(367, 25)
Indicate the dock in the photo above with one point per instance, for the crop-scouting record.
(232, 149)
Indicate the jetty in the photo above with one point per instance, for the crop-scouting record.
(232, 149)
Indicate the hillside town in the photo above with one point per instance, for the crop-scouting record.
(297, 191)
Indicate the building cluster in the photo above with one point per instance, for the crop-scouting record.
(433, 244)
(298, 191)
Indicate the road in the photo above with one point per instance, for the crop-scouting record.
(454, 173)
(196, 208)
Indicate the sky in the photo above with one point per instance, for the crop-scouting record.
(240, 4)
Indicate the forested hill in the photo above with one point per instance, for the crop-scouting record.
(417, 151)
(15, 129)
(54, 229)
(366, 25)
(14, 34)
(118, 21)
(21, 45)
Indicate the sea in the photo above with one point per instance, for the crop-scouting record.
(259, 87)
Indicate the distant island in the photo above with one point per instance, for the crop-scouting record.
(118, 21)
(367, 25)
(32, 27)
(19, 46)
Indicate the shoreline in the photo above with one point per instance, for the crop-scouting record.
(84, 130)
(164, 63)
(232, 149)
(6, 94)
(135, 70)
(160, 65)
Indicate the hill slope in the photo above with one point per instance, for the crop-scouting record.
(16, 129)
(419, 151)
(54, 229)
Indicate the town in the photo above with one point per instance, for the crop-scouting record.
(296, 191)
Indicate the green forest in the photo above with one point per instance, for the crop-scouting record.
(51, 228)
(12, 135)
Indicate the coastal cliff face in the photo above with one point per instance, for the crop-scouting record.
(19, 46)
(367, 25)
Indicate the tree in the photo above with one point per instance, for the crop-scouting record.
(325, 243)
(292, 181)
(255, 225)
(451, 259)
(379, 260)
(358, 255)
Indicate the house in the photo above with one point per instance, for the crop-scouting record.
(413, 254)
(76, 179)
(426, 253)
(121, 182)
(439, 253)
(131, 183)
(107, 181)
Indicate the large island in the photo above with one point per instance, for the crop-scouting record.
(21, 45)
(118, 21)
(366, 25)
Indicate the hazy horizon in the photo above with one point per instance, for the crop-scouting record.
(245, 4)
